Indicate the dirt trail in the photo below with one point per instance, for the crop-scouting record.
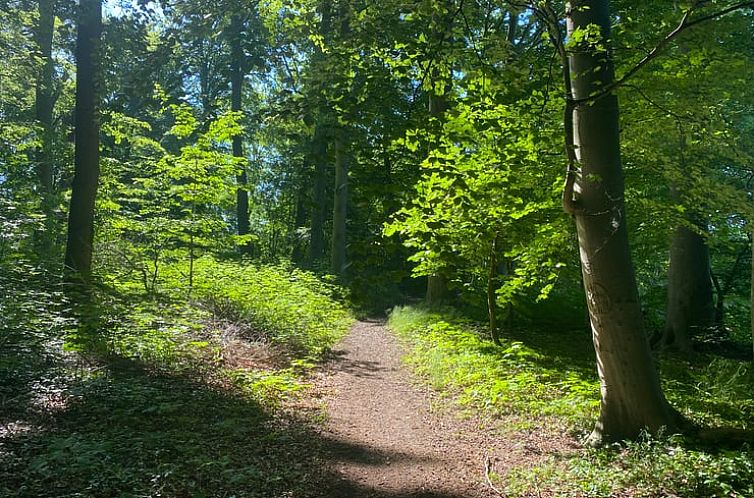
(383, 439)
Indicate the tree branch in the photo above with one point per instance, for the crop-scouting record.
(662, 108)
(547, 15)
(683, 25)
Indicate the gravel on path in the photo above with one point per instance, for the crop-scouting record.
(383, 438)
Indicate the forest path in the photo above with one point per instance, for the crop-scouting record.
(383, 438)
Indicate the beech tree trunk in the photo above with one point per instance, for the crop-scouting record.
(437, 284)
(690, 307)
(78, 254)
(340, 209)
(339, 261)
(44, 109)
(513, 13)
(236, 83)
(631, 397)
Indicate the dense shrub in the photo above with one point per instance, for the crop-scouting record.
(290, 307)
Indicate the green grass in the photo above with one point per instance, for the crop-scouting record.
(546, 380)
(155, 408)
(526, 377)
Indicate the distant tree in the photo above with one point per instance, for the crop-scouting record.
(44, 108)
(439, 81)
(345, 85)
(79, 247)
(237, 77)
(690, 307)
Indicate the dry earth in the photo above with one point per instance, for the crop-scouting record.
(383, 439)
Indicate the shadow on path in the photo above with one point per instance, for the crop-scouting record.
(338, 360)
(129, 431)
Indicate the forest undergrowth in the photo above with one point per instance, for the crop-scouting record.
(181, 395)
(545, 380)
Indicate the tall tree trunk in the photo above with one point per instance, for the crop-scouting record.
(437, 283)
(513, 14)
(319, 148)
(631, 397)
(319, 157)
(44, 108)
(690, 306)
(340, 208)
(752, 292)
(236, 84)
(78, 254)
(339, 261)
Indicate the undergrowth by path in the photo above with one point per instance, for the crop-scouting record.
(182, 395)
(546, 381)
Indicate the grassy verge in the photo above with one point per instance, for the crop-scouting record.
(189, 398)
(545, 381)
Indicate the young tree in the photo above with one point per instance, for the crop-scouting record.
(318, 147)
(318, 155)
(78, 254)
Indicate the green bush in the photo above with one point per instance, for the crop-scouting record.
(292, 308)
(648, 468)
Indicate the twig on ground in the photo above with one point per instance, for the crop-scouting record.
(487, 471)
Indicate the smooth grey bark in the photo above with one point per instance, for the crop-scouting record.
(513, 13)
(631, 397)
(340, 209)
(78, 254)
(236, 84)
(44, 110)
(339, 261)
(690, 307)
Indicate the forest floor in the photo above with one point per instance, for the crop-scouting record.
(388, 436)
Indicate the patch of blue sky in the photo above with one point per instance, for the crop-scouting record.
(120, 8)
